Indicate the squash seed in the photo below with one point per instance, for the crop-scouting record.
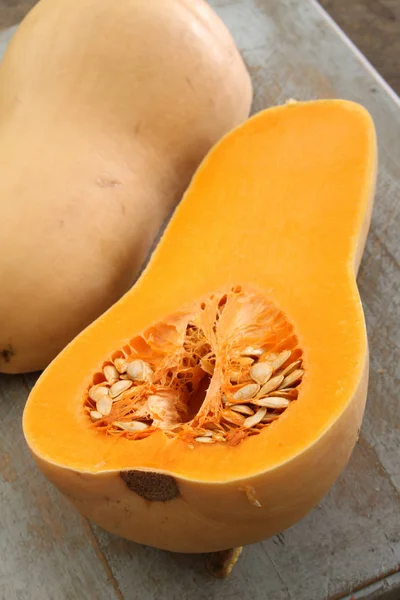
(272, 402)
(292, 378)
(261, 372)
(206, 434)
(138, 370)
(244, 361)
(119, 387)
(281, 359)
(269, 418)
(232, 417)
(120, 365)
(131, 426)
(204, 440)
(97, 392)
(111, 373)
(289, 393)
(255, 419)
(270, 386)
(104, 405)
(251, 351)
(243, 409)
(95, 415)
(246, 392)
(290, 368)
(238, 377)
(218, 437)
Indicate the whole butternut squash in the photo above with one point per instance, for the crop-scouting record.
(220, 398)
(106, 109)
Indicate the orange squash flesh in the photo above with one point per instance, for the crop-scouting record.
(282, 203)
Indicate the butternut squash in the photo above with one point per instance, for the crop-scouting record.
(220, 398)
(106, 109)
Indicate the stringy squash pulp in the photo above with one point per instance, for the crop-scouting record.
(262, 253)
(218, 371)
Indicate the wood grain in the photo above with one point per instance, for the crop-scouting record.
(47, 550)
(350, 544)
(374, 26)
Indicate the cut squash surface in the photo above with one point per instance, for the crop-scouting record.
(275, 217)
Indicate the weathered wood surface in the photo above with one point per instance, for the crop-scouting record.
(351, 541)
(374, 25)
(13, 11)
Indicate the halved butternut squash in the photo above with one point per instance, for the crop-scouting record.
(250, 300)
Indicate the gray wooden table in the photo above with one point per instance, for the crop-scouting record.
(349, 546)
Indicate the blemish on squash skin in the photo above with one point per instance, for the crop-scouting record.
(251, 495)
(106, 182)
(7, 353)
(154, 487)
(189, 82)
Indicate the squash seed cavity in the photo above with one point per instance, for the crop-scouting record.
(218, 371)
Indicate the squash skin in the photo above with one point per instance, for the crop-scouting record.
(98, 141)
(211, 515)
